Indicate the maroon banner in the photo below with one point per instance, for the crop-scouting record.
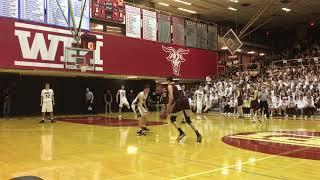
(26, 45)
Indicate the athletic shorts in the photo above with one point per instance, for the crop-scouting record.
(139, 111)
(180, 105)
(47, 107)
(240, 101)
(123, 102)
(255, 105)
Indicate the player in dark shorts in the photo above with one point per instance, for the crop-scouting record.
(240, 102)
(178, 103)
(255, 105)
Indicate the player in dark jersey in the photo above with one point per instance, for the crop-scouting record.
(178, 103)
(239, 102)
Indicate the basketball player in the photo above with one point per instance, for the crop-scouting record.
(239, 102)
(140, 110)
(163, 99)
(47, 102)
(178, 103)
(199, 97)
(208, 98)
(255, 105)
(123, 99)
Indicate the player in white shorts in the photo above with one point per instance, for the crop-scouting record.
(47, 102)
(208, 99)
(123, 99)
(140, 110)
(199, 98)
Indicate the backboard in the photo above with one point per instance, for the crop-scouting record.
(79, 59)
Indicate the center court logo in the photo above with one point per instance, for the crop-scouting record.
(298, 144)
(176, 58)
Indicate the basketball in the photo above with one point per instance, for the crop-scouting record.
(163, 115)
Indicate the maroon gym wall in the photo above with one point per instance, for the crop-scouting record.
(119, 55)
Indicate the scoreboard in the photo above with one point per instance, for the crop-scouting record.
(108, 10)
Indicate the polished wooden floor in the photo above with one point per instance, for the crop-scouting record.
(75, 151)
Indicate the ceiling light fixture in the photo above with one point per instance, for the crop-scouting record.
(163, 4)
(251, 52)
(183, 2)
(98, 26)
(235, 1)
(239, 50)
(110, 30)
(224, 48)
(286, 9)
(187, 10)
(132, 77)
(262, 54)
(232, 9)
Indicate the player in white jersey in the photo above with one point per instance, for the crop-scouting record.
(208, 98)
(140, 110)
(47, 102)
(121, 94)
(199, 98)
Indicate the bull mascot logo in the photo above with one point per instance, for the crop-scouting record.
(176, 58)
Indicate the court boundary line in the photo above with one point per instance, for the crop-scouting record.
(165, 140)
(245, 163)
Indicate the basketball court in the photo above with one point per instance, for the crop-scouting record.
(99, 147)
(86, 57)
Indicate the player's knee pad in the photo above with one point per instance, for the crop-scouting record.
(173, 119)
(188, 120)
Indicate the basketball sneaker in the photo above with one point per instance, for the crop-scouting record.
(141, 133)
(181, 136)
(199, 138)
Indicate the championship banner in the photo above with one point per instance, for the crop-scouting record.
(46, 11)
(133, 22)
(202, 36)
(54, 14)
(178, 31)
(35, 46)
(212, 37)
(149, 25)
(164, 28)
(191, 33)
(9, 8)
(77, 9)
(32, 10)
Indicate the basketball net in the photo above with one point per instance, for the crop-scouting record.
(74, 31)
(83, 67)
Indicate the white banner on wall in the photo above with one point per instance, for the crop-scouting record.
(77, 8)
(149, 25)
(54, 14)
(133, 22)
(9, 8)
(32, 10)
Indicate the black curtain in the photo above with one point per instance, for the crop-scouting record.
(69, 92)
